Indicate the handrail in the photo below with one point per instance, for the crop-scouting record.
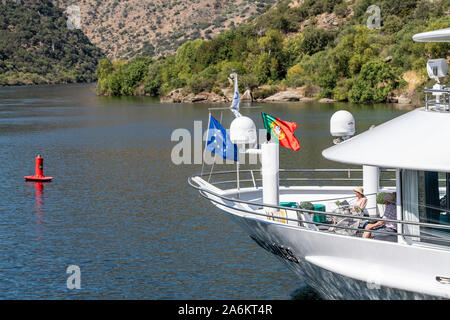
(295, 170)
(445, 89)
(430, 225)
(281, 179)
(443, 93)
(295, 179)
(325, 224)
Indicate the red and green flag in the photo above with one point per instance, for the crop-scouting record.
(281, 130)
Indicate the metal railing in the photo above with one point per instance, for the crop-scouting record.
(229, 202)
(438, 104)
(348, 175)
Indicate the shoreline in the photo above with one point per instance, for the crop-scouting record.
(289, 95)
(43, 84)
(282, 96)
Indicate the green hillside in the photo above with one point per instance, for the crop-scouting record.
(289, 47)
(37, 47)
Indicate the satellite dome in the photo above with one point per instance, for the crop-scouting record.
(243, 131)
(342, 124)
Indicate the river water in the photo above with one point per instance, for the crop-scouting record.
(120, 210)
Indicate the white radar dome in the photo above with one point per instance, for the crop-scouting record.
(243, 131)
(342, 124)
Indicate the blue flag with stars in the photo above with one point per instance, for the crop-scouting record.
(218, 142)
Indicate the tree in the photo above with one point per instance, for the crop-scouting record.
(104, 69)
(376, 80)
(271, 43)
(296, 76)
(262, 67)
(315, 40)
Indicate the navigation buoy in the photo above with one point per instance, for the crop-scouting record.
(39, 171)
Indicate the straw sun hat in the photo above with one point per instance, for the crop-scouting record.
(359, 190)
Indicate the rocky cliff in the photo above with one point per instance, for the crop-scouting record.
(126, 28)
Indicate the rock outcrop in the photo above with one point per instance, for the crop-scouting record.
(403, 99)
(285, 96)
(176, 96)
(326, 100)
(247, 96)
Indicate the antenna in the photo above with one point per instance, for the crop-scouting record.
(437, 68)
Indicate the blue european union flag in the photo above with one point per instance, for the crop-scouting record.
(218, 142)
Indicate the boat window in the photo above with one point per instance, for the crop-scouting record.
(424, 199)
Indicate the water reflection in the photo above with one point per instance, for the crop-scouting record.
(39, 205)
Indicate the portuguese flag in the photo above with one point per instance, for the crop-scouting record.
(283, 131)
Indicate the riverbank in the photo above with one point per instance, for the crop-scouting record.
(270, 95)
(290, 95)
(37, 80)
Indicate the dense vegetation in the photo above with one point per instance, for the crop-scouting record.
(37, 47)
(348, 62)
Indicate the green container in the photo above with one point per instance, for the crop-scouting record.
(320, 218)
(289, 204)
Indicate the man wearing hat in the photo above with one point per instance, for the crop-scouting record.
(389, 214)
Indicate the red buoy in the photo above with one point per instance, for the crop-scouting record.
(39, 171)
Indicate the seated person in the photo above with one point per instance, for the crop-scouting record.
(356, 209)
(361, 200)
(389, 214)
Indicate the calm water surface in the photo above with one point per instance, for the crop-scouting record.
(120, 210)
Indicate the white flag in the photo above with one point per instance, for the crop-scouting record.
(235, 105)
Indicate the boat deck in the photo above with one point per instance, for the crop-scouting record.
(247, 201)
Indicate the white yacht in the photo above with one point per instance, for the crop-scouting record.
(406, 156)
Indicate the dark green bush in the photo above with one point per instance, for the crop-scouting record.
(198, 84)
(306, 205)
(380, 199)
(315, 40)
(376, 80)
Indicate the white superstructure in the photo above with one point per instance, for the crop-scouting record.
(408, 155)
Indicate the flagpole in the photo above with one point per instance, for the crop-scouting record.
(215, 154)
(204, 149)
(212, 167)
(235, 104)
(237, 173)
(235, 109)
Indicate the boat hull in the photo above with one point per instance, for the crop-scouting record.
(333, 286)
(338, 266)
(342, 267)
